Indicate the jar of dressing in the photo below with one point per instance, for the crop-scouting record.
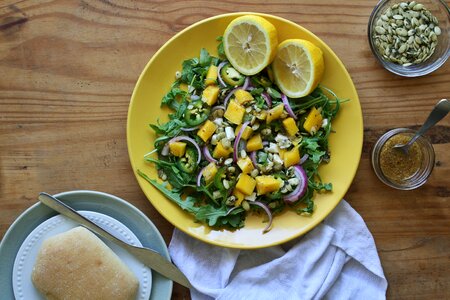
(399, 170)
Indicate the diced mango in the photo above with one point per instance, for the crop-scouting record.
(281, 153)
(247, 132)
(239, 197)
(274, 113)
(221, 151)
(234, 113)
(313, 121)
(210, 94)
(245, 164)
(242, 96)
(207, 130)
(254, 143)
(266, 184)
(177, 148)
(211, 76)
(290, 126)
(246, 184)
(291, 157)
(209, 172)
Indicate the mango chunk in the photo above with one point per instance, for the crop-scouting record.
(210, 94)
(248, 131)
(207, 130)
(239, 197)
(209, 172)
(242, 96)
(246, 184)
(274, 113)
(254, 143)
(234, 113)
(290, 126)
(177, 148)
(266, 184)
(245, 164)
(211, 76)
(221, 151)
(313, 121)
(291, 157)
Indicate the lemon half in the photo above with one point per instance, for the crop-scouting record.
(298, 67)
(250, 43)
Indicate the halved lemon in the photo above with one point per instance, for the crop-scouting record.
(250, 43)
(298, 67)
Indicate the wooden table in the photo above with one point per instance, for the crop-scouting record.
(67, 71)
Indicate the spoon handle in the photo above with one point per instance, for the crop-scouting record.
(438, 113)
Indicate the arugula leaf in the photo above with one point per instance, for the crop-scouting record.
(187, 204)
(187, 73)
(207, 213)
(169, 129)
(205, 58)
(220, 48)
(173, 98)
(273, 93)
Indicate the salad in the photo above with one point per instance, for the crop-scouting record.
(235, 144)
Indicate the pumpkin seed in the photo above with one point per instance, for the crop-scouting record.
(380, 30)
(437, 30)
(418, 7)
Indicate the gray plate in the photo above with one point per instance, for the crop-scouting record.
(103, 203)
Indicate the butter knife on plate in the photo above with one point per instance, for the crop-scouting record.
(147, 256)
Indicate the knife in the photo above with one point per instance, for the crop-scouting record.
(147, 256)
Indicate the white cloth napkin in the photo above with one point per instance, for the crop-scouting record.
(336, 260)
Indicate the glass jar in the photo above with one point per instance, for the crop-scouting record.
(398, 170)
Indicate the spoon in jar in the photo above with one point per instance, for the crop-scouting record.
(438, 113)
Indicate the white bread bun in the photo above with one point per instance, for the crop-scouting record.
(77, 265)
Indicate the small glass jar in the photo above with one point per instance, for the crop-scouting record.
(400, 171)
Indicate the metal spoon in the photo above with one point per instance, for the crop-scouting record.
(438, 113)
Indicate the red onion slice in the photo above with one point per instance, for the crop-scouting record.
(189, 128)
(219, 76)
(225, 101)
(268, 212)
(237, 140)
(217, 108)
(287, 106)
(300, 190)
(246, 83)
(199, 177)
(303, 159)
(195, 97)
(208, 156)
(231, 209)
(267, 98)
(165, 150)
(253, 158)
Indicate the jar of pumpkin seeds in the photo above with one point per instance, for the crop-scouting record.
(410, 38)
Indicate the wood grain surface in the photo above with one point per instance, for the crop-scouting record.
(67, 71)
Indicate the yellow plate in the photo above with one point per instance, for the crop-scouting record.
(155, 81)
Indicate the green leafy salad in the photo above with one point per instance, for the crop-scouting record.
(235, 144)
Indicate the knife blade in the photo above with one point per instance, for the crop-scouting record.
(147, 256)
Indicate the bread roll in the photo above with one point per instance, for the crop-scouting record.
(77, 265)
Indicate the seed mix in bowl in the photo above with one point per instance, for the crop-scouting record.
(406, 33)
